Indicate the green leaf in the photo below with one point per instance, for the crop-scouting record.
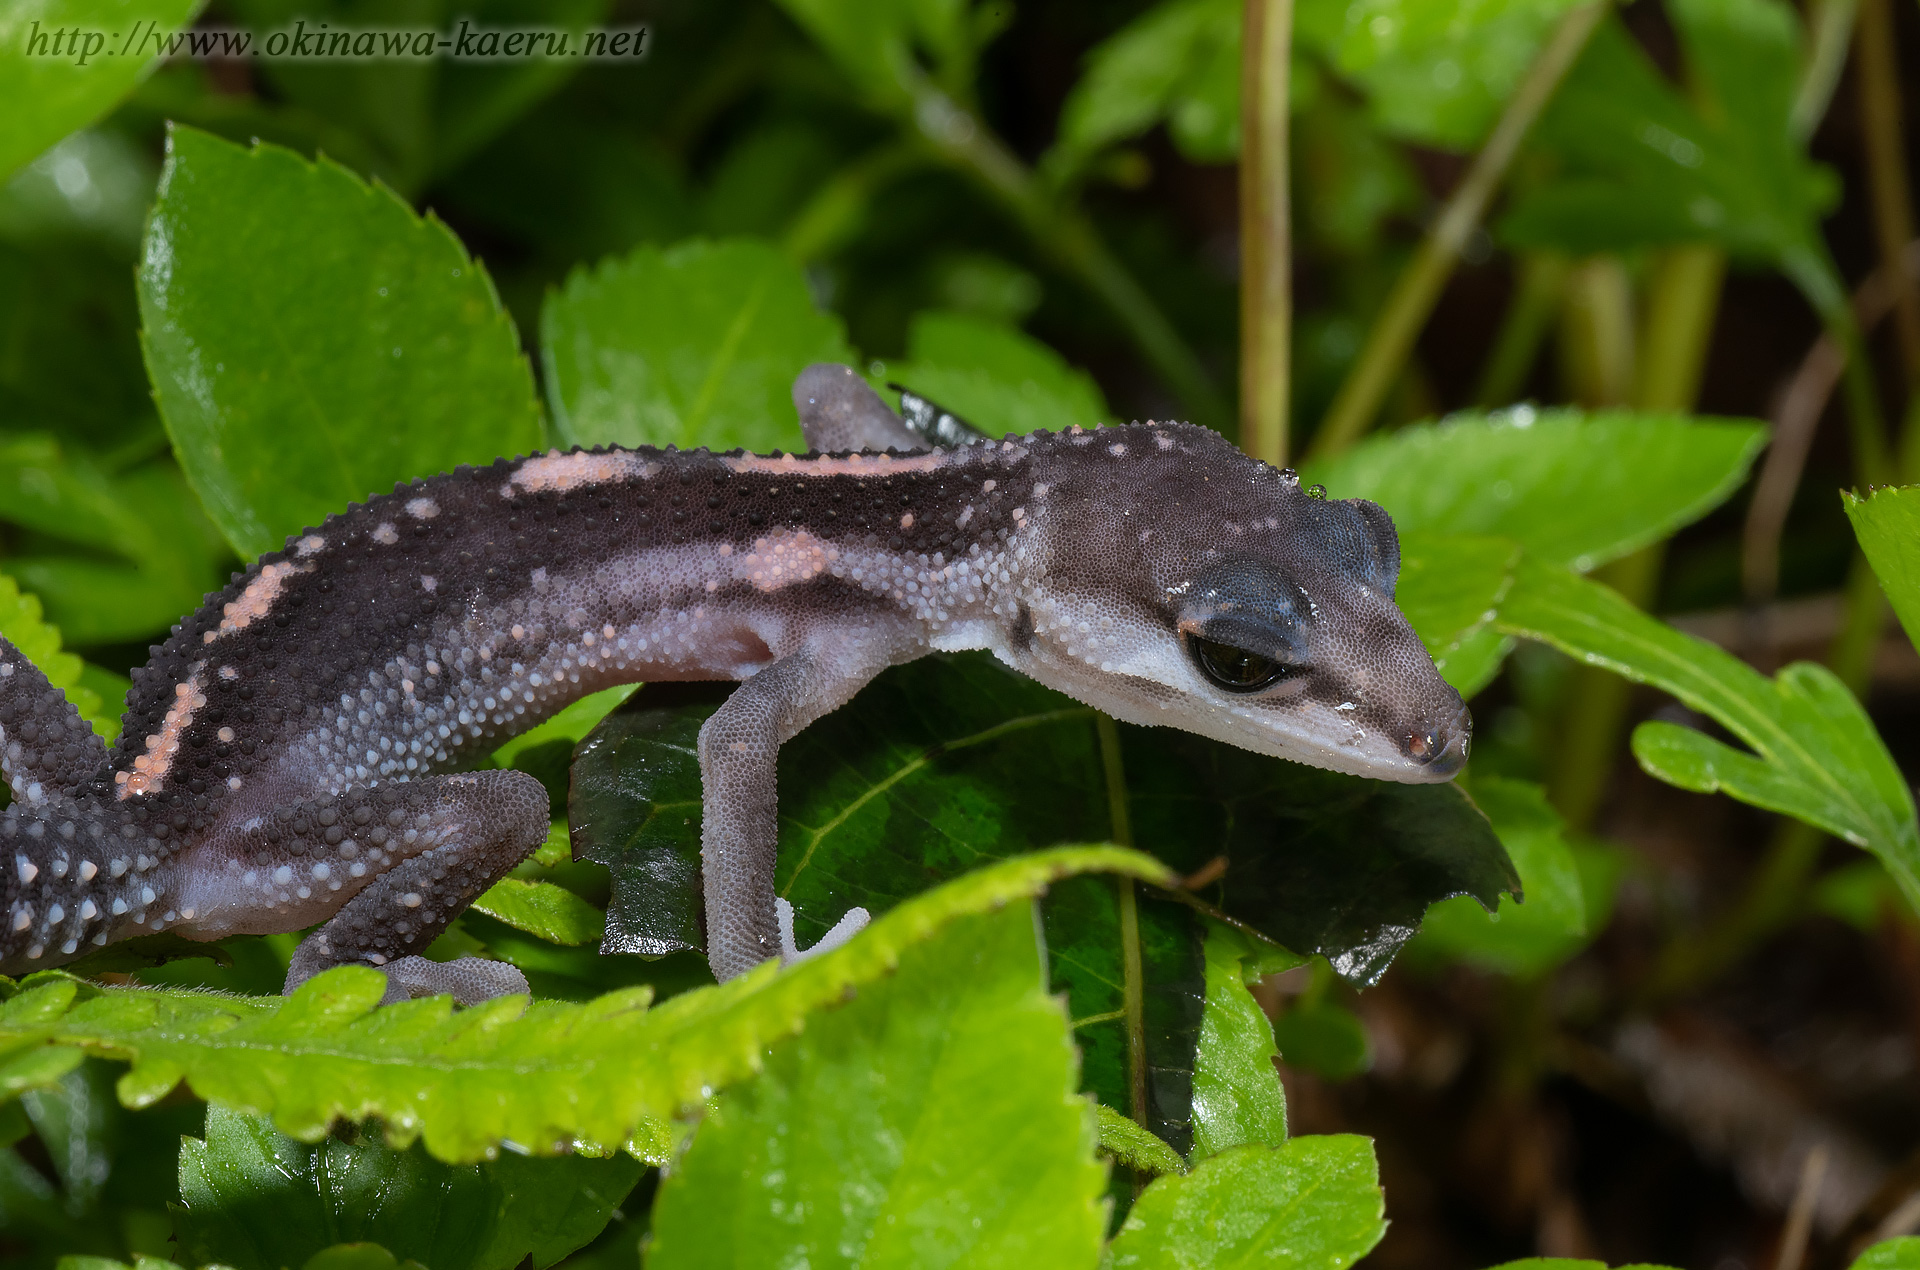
(1133, 1146)
(1636, 163)
(51, 91)
(108, 1263)
(997, 378)
(1314, 1203)
(39, 642)
(1887, 522)
(1450, 590)
(947, 762)
(1815, 754)
(543, 1075)
(357, 1257)
(874, 41)
(252, 1197)
(553, 913)
(366, 347)
(1517, 938)
(694, 345)
(1237, 1097)
(1178, 62)
(932, 1121)
(1572, 487)
(1892, 1254)
(1435, 73)
(1568, 1263)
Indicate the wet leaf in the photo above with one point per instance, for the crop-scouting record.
(254, 1198)
(692, 345)
(1313, 1203)
(550, 912)
(367, 347)
(932, 1120)
(1450, 590)
(1237, 1097)
(53, 88)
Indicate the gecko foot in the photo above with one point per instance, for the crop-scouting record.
(468, 980)
(846, 928)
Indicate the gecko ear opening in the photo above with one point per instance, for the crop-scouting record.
(1360, 540)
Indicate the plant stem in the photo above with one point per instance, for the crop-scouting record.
(1682, 303)
(1133, 978)
(1831, 22)
(1683, 300)
(961, 140)
(1880, 110)
(1266, 249)
(1596, 333)
(1529, 315)
(1420, 283)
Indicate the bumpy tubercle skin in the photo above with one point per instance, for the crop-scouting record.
(290, 753)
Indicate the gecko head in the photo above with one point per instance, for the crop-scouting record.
(1242, 608)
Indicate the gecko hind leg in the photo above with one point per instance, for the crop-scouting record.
(486, 823)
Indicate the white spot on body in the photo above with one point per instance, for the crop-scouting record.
(422, 508)
(385, 534)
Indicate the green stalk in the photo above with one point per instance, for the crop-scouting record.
(1683, 300)
(1524, 327)
(1133, 977)
(1266, 251)
(1420, 283)
(1831, 23)
(959, 139)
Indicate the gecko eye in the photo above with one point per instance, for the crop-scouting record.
(1235, 669)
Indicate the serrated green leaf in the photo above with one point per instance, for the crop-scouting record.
(53, 87)
(551, 912)
(997, 378)
(1887, 523)
(1638, 164)
(1891, 1254)
(696, 344)
(1517, 938)
(1433, 73)
(1572, 487)
(256, 1199)
(1178, 62)
(932, 1121)
(1133, 1146)
(39, 642)
(366, 348)
(1314, 1203)
(1815, 753)
(542, 1075)
(1237, 1097)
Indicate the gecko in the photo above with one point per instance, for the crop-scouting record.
(294, 753)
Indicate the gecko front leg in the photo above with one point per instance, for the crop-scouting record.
(739, 749)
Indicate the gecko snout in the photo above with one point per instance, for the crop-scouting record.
(1441, 748)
